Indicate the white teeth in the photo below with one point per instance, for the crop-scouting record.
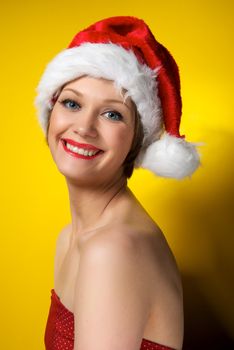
(82, 151)
(75, 149)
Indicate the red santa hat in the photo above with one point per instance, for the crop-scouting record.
(124, 50)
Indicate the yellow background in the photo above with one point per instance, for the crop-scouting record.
(195, 214)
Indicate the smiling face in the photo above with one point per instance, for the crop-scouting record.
(91, 131)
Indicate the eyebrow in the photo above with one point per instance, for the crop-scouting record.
(106, 100)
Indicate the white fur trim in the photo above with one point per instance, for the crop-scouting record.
(171, 157)
(109, 61)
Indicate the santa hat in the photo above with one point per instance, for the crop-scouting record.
(124, 50)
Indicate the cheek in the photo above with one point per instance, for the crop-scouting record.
(57, 125)
(57, 122)
(121, 138)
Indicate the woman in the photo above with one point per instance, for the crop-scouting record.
(107, 104)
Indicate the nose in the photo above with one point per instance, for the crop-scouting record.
(85, 125)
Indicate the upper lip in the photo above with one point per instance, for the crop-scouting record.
(81, 145)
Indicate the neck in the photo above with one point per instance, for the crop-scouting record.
(90, 206)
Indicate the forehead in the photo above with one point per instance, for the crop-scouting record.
(99, 88)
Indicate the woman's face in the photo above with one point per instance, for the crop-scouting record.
(91, 131)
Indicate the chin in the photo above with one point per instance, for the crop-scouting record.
(88, 177)
(71, 172)
(80, 177)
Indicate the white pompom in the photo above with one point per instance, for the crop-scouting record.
(171, 157)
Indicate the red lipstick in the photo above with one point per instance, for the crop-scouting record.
(80, 145)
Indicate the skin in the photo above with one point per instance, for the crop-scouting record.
(108, 222)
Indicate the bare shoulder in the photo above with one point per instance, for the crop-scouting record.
(112, 244)
(133, 269)
(110, 281)
(63, 237)
(147, 250)
(119, 251)
(121, 239)
(156, 263)
(62, 244)
(148, 245)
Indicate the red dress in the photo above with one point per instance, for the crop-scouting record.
(59, 333)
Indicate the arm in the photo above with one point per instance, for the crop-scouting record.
(111, 303)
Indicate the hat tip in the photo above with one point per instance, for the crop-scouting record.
(171, 157)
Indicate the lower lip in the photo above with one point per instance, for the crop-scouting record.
(76, 155)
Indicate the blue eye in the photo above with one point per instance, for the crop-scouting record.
(114, 115)
(70, 104)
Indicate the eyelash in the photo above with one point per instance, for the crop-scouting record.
(120, 117)
(67, 100)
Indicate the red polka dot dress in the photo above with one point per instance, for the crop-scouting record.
(59, 333)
